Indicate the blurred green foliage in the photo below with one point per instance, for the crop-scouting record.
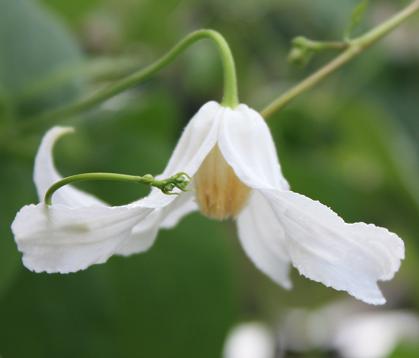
(34, 45)
(352, 143)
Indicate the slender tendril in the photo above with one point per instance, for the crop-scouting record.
(354, 48)
(179, 181)
(230, 93)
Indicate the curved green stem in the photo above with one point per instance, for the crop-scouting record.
(230, 96)
(354, 48)
(179, 180)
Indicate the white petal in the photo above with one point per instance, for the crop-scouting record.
(348, 257)
(45, 174)
(63, 239)
(144, 234)
(250, 340)
(263, 239)
(198, 138)
(196, 141)
(182, 206)
(246, 144)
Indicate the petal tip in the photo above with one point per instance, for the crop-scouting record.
(32, 265)
(375, 302)
(56, 132)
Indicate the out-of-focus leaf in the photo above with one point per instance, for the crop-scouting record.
(73, 10)
(406, 350)
(15, 192)
(35, 45)
(356, 18)
(6, 110)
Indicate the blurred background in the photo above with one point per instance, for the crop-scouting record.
(352, 143)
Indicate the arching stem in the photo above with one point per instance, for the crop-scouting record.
(230, 93)
(179, 181)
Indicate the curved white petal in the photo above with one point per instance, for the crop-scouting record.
(263, 239)
(348, 257)
(144, 234)
(63, 239)
(196, 141)
(246, 144)
(45, 173)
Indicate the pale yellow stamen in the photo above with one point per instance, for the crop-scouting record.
(220, 194)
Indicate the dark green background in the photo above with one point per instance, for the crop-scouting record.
(352, 143)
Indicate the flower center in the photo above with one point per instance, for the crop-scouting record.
(220, 194)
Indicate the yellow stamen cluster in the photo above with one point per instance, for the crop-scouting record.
(220, 194)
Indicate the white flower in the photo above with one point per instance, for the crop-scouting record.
(249, 340)
(232, 159)
(79, 230)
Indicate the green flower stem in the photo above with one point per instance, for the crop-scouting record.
(355, 47)
(304, 42)
(179, 180)
(230, 98)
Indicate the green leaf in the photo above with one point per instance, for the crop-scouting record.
(356, 18)
(14, 193)
(409, 349)
(34, 45)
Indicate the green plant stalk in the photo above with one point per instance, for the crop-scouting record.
(179, 180)
(304, 42)
(230, 93)
(355, 47)
(91, 176)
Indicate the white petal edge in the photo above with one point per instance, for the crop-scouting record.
(263, 239)
(45, 173)
(347, 257)
(196, 141)
(63, 239)
(198, 138)
(247, 145)
(184, 205)
(144, 234)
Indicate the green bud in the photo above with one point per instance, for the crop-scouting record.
(300, 56)
(182, 180)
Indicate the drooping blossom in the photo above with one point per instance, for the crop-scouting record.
(231, 157)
